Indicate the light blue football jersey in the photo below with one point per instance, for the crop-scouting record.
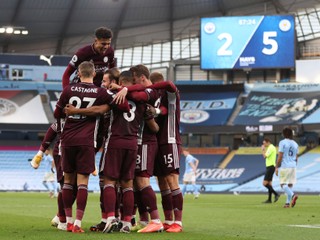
(47, 162)
(290, 150)
(189, 159)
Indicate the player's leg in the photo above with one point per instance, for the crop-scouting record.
(289, 194)
(196, 192)
(101, 225)
(267, 186)
(62, 216)
(143, 212)
(68, 197)
(127, 204)
(109, 203)
(82, 196)
(267, 178)
(184, 187)
(177, 201)
(170, 160)
(111, 167)
(294, 196)
(166, 201)
(291, 181)
(127, 169)
(138, 204)
(276, 195)
(148, 198)
(55, 188)
(45, 182)
(62, 225)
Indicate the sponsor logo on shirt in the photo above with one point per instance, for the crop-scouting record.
(74, 59)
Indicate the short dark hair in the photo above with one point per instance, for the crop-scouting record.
(267, 140)
(103, 33)
(126, 76)
(287, 132)
(140, 70)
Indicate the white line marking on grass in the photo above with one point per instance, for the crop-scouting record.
(305, 226)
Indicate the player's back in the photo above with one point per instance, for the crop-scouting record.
(82, 130)
(289, 148)
(124, 126)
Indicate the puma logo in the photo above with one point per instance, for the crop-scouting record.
(47, 59)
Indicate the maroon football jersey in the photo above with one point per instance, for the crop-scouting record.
(169, 124)
(81, 130)
(145, 134)
(101, 62)
(124, 126)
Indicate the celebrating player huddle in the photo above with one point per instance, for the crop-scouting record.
(136, 122)
(141, 138)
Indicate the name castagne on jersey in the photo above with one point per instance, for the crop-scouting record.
(84, 90)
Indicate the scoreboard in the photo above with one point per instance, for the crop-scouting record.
(247, 42)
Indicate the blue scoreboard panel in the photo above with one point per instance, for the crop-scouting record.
(248, 42)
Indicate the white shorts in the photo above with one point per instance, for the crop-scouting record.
(49, 177)
(189, 177)
(288, 175)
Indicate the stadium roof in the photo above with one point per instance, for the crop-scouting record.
(62, 26)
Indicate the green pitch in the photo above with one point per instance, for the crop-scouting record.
(215, 216)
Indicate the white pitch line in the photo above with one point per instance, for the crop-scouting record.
(305, 226)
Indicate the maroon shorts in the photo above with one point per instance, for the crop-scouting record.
(119, 163)
(145, 159)
(167, 160)
(79, 159)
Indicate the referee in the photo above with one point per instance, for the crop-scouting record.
(269, 152)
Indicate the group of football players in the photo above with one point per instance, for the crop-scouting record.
(133, 118)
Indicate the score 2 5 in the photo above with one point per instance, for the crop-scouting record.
(268, 40)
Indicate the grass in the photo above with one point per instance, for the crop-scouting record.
(215, 216)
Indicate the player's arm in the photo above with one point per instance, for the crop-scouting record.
(167, 85)
(58, 112)
(63, 100)
(162, 110)
(193, 166)
(66, 75)
(124, 107)
(139, 96)
(152, 125)
(52, 166)
(123, 91)
(196, 163)
(266, 153)
(279, 160)
(91, 111)
(51, 134)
